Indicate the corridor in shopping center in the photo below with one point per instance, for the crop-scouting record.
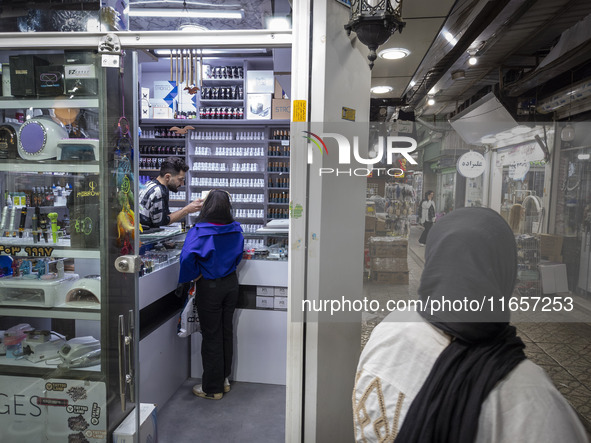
(563, 350)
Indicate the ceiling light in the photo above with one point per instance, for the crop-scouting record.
(394, 53)
(381, 89)
(472, 60)
(192, 13)
(412, 83)
(584, 156)
(191, 27)
(212, 52)
(568, 133)
(450, 38)
(430, 101)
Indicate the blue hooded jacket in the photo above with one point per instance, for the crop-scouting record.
(211, 250)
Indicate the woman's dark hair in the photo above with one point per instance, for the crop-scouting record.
(216, 208)
(427, 194)
(173, 166)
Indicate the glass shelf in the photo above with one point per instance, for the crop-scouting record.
(16, 103)
(25, 166)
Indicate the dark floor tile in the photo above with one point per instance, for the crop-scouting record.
(249, 412)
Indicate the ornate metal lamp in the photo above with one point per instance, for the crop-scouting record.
(374, 21)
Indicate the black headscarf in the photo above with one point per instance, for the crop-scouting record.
(470, 256)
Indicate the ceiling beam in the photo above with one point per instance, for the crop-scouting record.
(490, 11)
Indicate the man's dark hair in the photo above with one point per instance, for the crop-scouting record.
(173, 166)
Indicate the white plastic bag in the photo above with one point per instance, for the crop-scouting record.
(189, 320)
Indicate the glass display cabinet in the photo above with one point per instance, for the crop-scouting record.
(67, 314)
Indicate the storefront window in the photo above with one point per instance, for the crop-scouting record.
(474, 191)
(521, 206)
(573, 216)
(446, 187)
(574, 191)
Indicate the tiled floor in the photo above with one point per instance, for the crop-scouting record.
(562, 349)
(250, 412)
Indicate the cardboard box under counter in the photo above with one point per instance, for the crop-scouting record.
(280, 303)
(264, 302)
(280, 292)
(265, 290)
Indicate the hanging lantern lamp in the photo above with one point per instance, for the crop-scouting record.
(374, 21)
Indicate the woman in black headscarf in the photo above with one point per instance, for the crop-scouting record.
(438, 372)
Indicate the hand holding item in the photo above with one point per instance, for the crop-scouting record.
(195, 205)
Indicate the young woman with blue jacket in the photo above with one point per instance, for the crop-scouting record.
(213, 248)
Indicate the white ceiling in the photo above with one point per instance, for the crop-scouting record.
(424, 19)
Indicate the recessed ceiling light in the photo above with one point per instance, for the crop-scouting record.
(472, 60)
(394, 53)
(430, 101)
(412, 83)
(450, 38)
(381, 89)
(189, 13)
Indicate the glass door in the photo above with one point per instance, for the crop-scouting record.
(67, 315)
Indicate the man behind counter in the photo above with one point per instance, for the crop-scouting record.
(154, 211)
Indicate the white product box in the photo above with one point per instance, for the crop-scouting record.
(280, 292)
(280, 303)
(145, 101)
(553, 278)
(146, 110)
(161, 112)
(265, 290)
(260, 82)
(207, 72)
(265, 302)
(184, 99)
(258, 107)
(160, 108)
(162, 88)
(125, 432)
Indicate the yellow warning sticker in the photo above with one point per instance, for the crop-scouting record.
(299, 110)
(348, 114)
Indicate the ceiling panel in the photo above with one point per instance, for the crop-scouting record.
(424, 19)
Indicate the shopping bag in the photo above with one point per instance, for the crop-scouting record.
(189, 320)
